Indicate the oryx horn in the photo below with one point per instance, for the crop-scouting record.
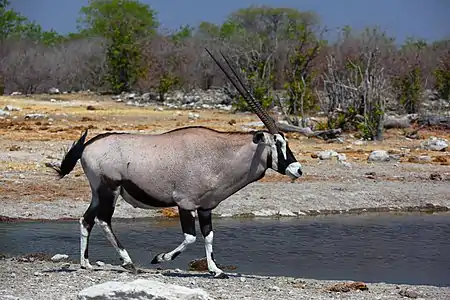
(264, 117)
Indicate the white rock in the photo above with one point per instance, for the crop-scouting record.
(4, 113)
(274, 288)
(424, 158)
(255, 124)
(226, 215)
(141, 289)
(265, 213)
(12, 108)
(378, 156)
(35, 116)
(130, 96)
(346, 164)
(434, 144)
(286, 213)
(341, 157)
(59, 257)
(327, 154)
(53, 90)
(99, 263)
(359, 143)
(16, 93)
(193, 116)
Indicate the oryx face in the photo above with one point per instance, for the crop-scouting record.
(280, 157)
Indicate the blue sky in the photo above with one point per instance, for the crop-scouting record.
(401, 18)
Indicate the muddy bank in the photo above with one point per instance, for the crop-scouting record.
(42, 279)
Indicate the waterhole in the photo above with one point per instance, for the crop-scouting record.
(402, 249)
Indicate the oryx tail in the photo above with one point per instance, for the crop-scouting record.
(72, 156)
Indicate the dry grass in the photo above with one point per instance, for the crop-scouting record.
(45, 189)
(170, 212)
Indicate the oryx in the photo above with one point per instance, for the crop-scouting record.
(192, 168)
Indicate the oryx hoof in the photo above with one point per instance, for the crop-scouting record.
(220, 275)
(86, 266)
(158, 258)
(130, 267)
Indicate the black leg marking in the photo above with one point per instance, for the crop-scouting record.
(108, 194)
(205, 221)
(187, 221)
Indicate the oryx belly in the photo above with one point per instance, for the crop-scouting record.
(137, 197)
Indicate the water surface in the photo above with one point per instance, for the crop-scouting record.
(412, 249)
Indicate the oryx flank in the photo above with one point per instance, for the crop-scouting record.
(192, 168)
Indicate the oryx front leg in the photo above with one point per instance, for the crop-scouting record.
(205, 220)
(187, 220)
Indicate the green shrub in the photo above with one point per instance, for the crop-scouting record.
(259, 88)
(442, 76)
(409, 90)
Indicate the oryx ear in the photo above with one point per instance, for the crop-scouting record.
(258, 137)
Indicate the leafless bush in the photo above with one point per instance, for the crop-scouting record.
(163, 64)
(356, 86)
(85, 64)
(30, 67)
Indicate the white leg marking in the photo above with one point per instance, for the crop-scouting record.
(109, 235)
(212, 267)
(188, 239)
(84, 262)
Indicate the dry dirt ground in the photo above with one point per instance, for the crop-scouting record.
(45, 280)
(28, 189)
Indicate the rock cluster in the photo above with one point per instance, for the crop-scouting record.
(194, 99)
(434, 144)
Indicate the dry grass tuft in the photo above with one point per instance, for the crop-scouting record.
(170, 212)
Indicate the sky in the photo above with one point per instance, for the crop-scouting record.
(428, 20)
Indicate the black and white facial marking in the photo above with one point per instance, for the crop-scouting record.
(281, 158)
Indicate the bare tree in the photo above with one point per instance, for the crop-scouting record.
(300, 56)
(356, 88)
(26, 67)
(164, 60)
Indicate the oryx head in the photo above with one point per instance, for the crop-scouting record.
(280, 157)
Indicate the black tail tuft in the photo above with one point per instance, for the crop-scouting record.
(71, 158)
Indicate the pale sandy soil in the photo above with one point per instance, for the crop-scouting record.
(43, 280)
(28, 189)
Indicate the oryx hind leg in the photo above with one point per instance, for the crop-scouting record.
(205, 221)
(87, 222)
(187, 220)
(107, 194)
